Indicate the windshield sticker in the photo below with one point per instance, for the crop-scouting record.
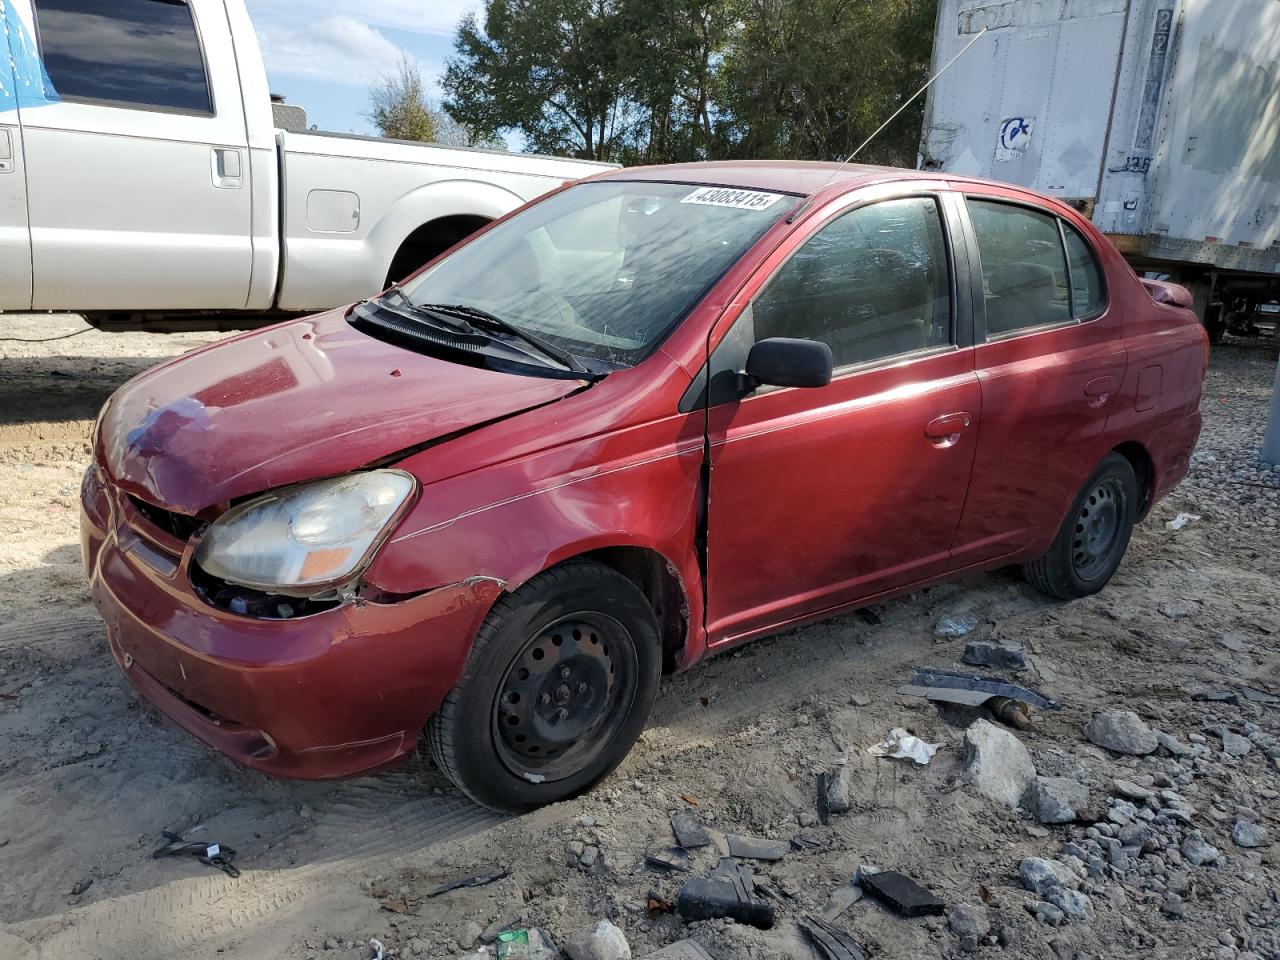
(730, 197)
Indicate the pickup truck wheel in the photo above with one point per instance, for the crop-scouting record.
(557, 688)
(1094, 536)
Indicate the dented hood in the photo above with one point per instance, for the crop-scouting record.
(309, 399)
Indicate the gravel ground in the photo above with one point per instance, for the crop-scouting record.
(1168, 851)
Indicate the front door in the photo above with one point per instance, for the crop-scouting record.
(137, 158)
(822, 497)
(17, 74)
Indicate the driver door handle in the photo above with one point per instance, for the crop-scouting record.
(945, 430)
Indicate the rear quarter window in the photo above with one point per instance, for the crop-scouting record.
(1088, 290)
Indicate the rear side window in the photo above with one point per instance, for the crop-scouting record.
(138, 53)
(1088, 295)
(1024, 269)
(872, 284)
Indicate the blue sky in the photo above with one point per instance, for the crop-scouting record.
(322, 56)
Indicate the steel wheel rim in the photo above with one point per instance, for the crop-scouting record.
(1097, 529)
(565, 694)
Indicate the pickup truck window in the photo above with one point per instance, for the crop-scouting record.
(131, 53)
(605, 270)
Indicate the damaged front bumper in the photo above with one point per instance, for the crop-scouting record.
(338, 693)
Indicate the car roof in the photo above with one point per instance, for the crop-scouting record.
(801, 177)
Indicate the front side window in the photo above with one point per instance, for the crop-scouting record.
(139, 53)
(1024, 269)
(605, 269)
(872, 284)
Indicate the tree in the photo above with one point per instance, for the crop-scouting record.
(399, 107)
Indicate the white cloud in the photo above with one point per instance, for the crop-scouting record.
(417, 16)
(338, 48)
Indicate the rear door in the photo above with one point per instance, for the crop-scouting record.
(1050, 360)
(17, 75)
(137, 164)
(822, 497)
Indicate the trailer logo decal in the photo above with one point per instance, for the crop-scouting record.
(1015, 137)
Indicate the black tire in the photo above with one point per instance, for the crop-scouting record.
(1094, 535)
(557, 688)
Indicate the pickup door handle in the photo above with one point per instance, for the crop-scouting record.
(1099, 390)
(945, 430)
(226, 168)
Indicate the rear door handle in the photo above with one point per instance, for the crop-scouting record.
(226, 168)
(945, 430)
(1099, 390)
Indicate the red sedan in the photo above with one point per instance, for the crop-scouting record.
(642, 420)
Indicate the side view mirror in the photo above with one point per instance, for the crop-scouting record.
(787, 362)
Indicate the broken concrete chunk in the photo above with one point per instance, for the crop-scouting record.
(969, 920)
(1040, 875)
(997, 765)
(979, 653)
(1071, 902)
(1248, 834)
(1121, 731)
(754, 848)
(901, 894)
(1197, 851)
(838, 786)
(1057, 799)
(604, 941)
(688, 830)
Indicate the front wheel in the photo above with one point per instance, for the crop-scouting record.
(557, 688)
(1094, 536)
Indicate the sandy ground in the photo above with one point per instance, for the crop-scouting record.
(90, 775)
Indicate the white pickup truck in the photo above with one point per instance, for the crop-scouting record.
(143, 179)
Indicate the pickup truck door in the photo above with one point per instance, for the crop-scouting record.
(15, 236)
(137, 160)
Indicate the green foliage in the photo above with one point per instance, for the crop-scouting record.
(398, 105)
(655, 81)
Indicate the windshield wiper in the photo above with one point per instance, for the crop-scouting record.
(460, 325)
(474, 316)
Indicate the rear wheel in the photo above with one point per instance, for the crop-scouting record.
(556, 690)
(1094, 536)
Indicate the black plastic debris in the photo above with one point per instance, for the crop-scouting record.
(971, 689)
(754, 848)
(213, 854)
(824, 805)
(714, 897)
(980, 653)
(810, 841)
(901, 894)
(1217, 696)
(688, 830)
(669, 858)
(831, 943)
(473, 880)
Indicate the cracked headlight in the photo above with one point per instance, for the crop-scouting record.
(314, 535)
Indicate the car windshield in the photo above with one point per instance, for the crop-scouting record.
(606, 269)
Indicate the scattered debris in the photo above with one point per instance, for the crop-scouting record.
(1121, 731)
(840, 900)
(830, 942)
(901, 894)
(970, 689)
(1181, 520)
(956, 626)
(902, 745)
(473, 880)
(836, 795)
(1217, 696)
(754, 848)
(713, 897)
(669, 858)
(688, 830)
(604, 941)
(980, 653)
(997, 764)
(379, 951)
(213, 854)
(531, 944)
(82, 885)
(1057, 799)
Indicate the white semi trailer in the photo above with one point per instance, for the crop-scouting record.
(1160, 119)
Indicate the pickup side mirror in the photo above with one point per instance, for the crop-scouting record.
(786, 362)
